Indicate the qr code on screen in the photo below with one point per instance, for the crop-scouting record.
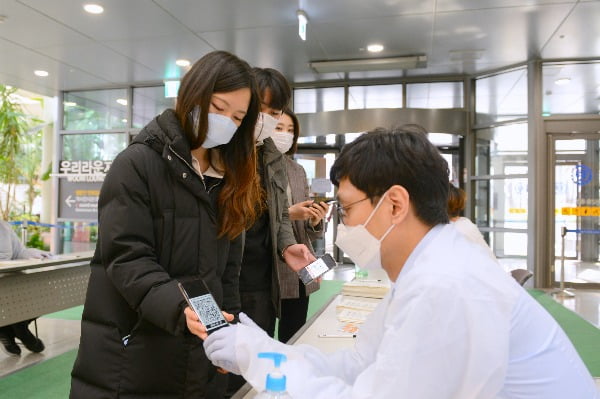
(207, 309)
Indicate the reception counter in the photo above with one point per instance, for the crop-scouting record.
(35, 287)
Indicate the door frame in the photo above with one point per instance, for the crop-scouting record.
(561, 128)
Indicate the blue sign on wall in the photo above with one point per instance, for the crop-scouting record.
(582, 175)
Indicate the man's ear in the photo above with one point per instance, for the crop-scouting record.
(400, 200)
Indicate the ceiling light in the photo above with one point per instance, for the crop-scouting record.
(370, 64)
(122, 101)
(69, 104)
(41, 73)
(302, 22)
(562, 81)
(375, 48)
(182, 62)
(93, 8)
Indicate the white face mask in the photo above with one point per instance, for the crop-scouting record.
(283, 141)
(220, 128)
(360, 245)
(265, 126)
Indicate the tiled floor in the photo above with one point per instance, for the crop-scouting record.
(59, 336)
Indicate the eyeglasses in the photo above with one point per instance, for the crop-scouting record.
(341, 210)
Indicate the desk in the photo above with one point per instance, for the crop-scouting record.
(34, 287)
(323, 321)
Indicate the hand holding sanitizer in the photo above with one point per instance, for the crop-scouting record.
(275, 386)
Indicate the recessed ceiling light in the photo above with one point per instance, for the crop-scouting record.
(375, 48)
(182, 62)
(41, 73)
(562, 81)
(122, 101)
(124, 120)
(93, 8)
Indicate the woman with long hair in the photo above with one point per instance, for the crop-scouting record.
(173, 207)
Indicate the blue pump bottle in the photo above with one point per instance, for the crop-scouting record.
(275, 385)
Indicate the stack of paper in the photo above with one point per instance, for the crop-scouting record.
(357, 303)
(355, 309)
(366, 288)
(352, 316)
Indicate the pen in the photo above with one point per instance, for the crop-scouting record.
(324, 335)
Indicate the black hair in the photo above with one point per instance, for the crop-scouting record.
(401, 156)
(296, 124)
(223, 72)
(269, 79)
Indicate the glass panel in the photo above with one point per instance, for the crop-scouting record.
(318, 167)
(500, 147)
(509, 245)
(95, 110)
(571, 88)
(501, 97)
(318, 100)
(434, 95)
(444, 139)
(577, 207)
(93, 147)
(78, 237)
(452, 159)
(378, 96)
(149, 102)
(501, 203)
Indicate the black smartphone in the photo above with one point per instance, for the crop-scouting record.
(199, 298)
(317, 268)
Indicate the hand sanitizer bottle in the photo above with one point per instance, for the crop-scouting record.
(275, 386)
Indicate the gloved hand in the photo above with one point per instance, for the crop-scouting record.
(225, 347)
(220, 348)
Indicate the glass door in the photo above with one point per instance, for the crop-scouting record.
(576, 205)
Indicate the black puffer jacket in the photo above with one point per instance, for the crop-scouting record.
(157, 226)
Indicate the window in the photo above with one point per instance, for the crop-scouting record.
(95, 110)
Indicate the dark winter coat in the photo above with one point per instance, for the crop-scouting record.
(157, 226)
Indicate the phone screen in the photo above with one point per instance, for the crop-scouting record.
(200, 299)
(317, 268)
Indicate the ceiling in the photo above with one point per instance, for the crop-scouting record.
(138, 41)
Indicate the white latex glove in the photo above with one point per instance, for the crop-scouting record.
(220, 346)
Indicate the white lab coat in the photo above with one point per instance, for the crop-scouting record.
(454, 325)
(470, 230)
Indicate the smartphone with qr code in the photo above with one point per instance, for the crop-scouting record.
(316, 269)
(199, 298)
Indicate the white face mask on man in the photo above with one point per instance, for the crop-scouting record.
(265, 126)
(360, 245)
(283, 141)
(220, 128)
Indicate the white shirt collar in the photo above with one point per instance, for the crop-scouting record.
(210, 172)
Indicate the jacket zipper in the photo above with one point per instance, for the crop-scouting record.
(194, 170)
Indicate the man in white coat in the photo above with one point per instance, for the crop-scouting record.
(454, 324)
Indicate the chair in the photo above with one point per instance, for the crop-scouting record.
(521, 275)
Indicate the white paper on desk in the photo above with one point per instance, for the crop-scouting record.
(352, 316)
(357, 303)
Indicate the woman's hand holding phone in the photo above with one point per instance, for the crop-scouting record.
(194, 324)
(309, 210)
